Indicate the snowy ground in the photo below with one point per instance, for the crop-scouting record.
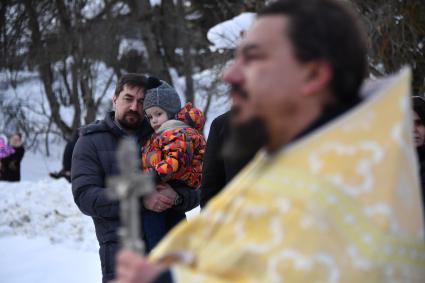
(43, 236)
(37, 260)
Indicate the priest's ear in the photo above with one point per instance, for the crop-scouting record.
(317, 77)
(114, 101)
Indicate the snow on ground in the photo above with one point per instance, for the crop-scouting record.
(38, 260)
(45, 209)
(43, 235)
(36, 166)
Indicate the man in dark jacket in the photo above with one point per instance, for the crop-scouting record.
(94, 160)
(11, 165)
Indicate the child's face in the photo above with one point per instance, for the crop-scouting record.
(157, 116)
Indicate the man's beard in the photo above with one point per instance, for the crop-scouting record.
(245, 139)
(130, 125)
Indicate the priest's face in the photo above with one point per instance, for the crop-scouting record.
(265, 77)
(128, 106)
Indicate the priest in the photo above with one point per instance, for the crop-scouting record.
(334, 195)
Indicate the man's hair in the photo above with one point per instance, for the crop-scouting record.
(136, 80)
(419, 107)
(327, 30)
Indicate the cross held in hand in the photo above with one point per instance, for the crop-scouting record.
(128, 188)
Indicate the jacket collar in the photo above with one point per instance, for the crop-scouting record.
(108, 125)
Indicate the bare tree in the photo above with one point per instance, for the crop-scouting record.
(396, 32)
(184, 34)
(146, 20)
(65, 42)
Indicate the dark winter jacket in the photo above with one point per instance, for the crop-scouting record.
(93, 160)
(217, 171)
(11, 165)
(421, 156)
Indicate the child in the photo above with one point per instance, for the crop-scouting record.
(174, 152)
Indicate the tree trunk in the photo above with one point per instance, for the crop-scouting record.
(144, 16)
(187, 57)
(44, 68)
(82, 68)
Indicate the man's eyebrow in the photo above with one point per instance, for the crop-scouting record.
(247, 48)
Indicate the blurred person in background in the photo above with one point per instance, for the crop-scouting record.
(66, 159)
(11, 165)
(219, 168)
(5, 151)
(419, 134)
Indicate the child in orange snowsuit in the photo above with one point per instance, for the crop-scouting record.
(174, 152)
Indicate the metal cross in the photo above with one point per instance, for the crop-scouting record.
(128, 187)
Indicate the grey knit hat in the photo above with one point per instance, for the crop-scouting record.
(165, 97)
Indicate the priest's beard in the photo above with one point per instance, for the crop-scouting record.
(245, 140)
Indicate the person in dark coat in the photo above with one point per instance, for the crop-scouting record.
(11, 165)
(94, 160)
(219, 168)
(419, 134)
(66, 159)
(217, 171)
